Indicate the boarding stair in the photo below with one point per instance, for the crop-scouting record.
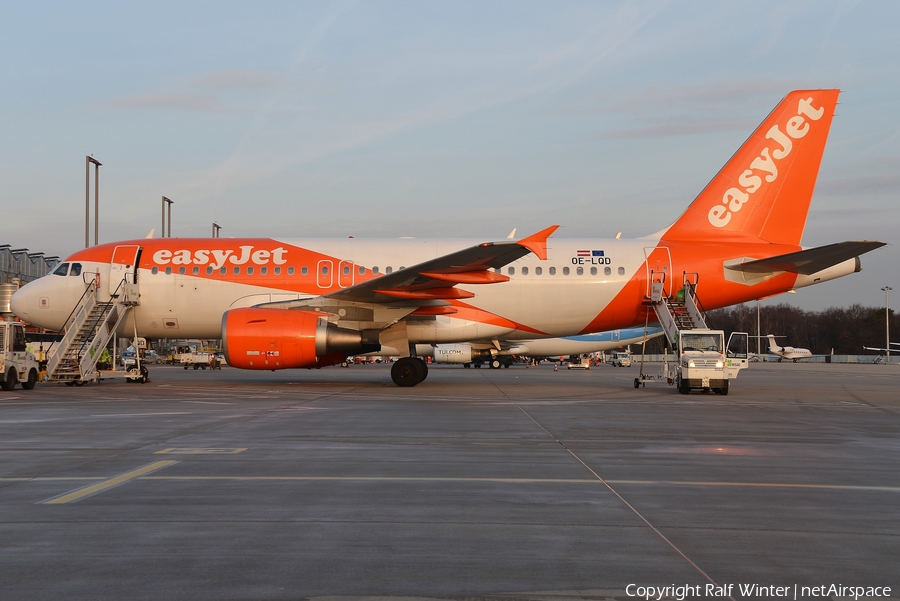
(89, 328)
(678, 312)
(675, 313)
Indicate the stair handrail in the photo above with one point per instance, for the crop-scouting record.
(89, 286)
(99, 318)
(93, 326)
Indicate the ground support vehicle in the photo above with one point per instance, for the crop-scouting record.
(620, 359)
(583, 362)
(702, 361)
(16, 363)
(195, 359)
(200, 360)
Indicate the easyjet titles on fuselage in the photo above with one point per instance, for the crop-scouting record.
(734, 198)
(217, 258)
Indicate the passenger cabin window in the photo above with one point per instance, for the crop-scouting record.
(195, 270)
(278, 271)
(565, 271)
(168, 270)
(552, 271)
(538, 271)
(237, 271)
(579, 270)
(249, 271)
(62, 269)
(362, 270)
(388, 269)
(607, 271)
(263, 271)
(155, 270)
(621, 271)
(303, 270)
(291, 270)
(524, 271)
(593, 271)
(209, 270)
(181, 270)
(375, 270)
(511, 271)
(76, 269)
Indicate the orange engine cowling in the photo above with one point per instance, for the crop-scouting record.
(257, 338)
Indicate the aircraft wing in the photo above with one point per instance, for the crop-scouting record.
(810, 261)
(436, 279)
(893, 350)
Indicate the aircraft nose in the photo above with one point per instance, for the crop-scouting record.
(24, 302)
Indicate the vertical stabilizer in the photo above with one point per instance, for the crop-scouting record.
(765, 189)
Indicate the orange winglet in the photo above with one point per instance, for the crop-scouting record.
(468, 277)
(435, 311)
(537, 243)
(429, 293)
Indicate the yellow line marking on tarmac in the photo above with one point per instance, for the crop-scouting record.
(77, 495)
(199, 451)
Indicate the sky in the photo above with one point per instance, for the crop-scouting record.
(435, 119)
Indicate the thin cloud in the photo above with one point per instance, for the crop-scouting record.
(868, 184)
(717, 96)
(238, 79)
(683, 128)
(181, 102)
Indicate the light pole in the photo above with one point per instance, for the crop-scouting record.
(758, 334)
(165, 202)
(215, 229)
(87, 200)
(887, 323)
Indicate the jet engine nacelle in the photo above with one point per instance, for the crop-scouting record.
(457, 353)
(258, 338)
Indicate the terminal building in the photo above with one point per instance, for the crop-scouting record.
(19, 264)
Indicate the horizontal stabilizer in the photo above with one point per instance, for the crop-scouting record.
(810, 261)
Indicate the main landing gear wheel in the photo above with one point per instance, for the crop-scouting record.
(495, 363)
(408, 371)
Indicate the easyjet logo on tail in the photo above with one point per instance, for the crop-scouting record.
(766, 164)
(218, 258)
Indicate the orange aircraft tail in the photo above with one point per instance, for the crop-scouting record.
(764, 190)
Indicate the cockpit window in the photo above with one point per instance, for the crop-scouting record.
(62, 269)
(76, 269)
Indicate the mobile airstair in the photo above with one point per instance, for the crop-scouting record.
(89, 328)
(702, 359)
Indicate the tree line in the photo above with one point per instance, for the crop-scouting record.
(845, 330)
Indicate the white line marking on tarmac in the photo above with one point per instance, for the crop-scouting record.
(208, 403)
(141, 414)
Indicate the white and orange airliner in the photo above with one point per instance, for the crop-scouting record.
(279, 304)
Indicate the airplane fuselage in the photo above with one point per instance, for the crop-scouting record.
(186, 285)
